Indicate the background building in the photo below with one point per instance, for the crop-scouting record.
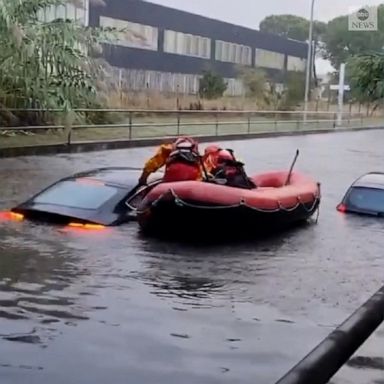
(167, 50)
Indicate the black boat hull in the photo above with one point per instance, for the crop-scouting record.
(174, 218)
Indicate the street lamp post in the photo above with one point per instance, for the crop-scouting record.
(309, 59)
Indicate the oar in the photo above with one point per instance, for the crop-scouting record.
(292, 165)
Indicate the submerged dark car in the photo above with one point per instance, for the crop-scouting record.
(365, 196)
(93, 198)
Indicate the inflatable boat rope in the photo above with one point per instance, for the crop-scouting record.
(181, 202)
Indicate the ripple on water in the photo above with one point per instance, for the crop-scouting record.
(35, 287)
(224, 312)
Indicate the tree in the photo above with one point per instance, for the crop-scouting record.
(46, 64)
(292, 26)
(295, 27)
(272, 96)
(254, 80)
(340, 43)
(366, 73)
(289, 26)
(294, 88)
(212, 85)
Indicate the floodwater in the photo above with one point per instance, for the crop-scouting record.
(114, 307)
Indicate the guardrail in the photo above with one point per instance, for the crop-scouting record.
(321, 364)
(141, 124)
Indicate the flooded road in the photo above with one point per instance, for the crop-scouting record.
(113, 307)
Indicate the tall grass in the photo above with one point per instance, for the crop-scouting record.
(45, 64)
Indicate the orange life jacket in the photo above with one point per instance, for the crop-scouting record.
(184, 150)
(183, 162)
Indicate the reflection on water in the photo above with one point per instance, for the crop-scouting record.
(78, 307)
(36, 274)
(367, 362)
(196, 273)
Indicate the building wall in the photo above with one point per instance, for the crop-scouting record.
(167, 50)
(174, 41)
(166, 82)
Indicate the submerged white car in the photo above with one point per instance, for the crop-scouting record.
(365, 196)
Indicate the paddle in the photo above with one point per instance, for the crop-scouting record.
(292, 165)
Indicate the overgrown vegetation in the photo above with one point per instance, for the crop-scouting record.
(342, 44)
(212, 85)
(336, 43)
(254, 80)
(52, 65)
(294, 89)
(262, 88)
(333, 41)
(45, 65)
(296, 27)
(366, 77)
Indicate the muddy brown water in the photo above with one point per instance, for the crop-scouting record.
(114, 307)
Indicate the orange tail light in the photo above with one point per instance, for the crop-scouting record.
(9, 215)
(341, 208)
(86, 226)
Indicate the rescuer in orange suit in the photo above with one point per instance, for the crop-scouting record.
(210, 158)
(215, 158)
(221, 164)
(181, 159)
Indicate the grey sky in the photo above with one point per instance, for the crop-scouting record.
(249, 13)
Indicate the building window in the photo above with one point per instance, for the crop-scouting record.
(269, 59)
(187, 44)
(233, 53)
(70, 11)
(218, 50)
(296, 64)
(131, 34)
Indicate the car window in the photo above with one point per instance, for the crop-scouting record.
(74, 194)
(370, 199)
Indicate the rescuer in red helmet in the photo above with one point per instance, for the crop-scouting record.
(181, 160)
(210, 157)
(222, 164)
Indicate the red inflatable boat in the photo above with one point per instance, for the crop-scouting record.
(192, 207)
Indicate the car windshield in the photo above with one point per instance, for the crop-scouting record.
(71, 193)
(368, 199)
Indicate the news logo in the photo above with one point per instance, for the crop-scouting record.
(362, 19)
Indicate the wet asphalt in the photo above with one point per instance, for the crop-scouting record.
(115, 307)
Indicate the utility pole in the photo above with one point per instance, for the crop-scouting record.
(309, 59)
(341, 94)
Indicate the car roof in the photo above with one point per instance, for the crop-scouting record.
(370, 180)
(122, 178)
(116, 176)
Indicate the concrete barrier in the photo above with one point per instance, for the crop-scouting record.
(88, 146)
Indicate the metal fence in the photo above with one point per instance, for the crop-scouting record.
(125, 124)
